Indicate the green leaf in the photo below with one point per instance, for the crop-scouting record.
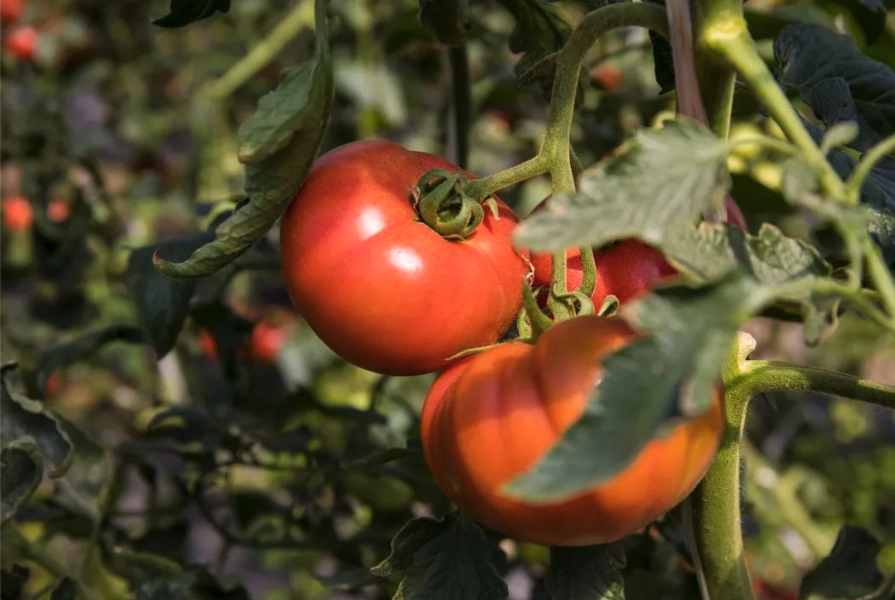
(21, 469)
(153, 577)
(84, 345)
(278, 144)
(810, 56)
(665, 180)
(13, 582)
(447, 19)
(66, 589)
(184, 12)
(84, 489)
(26, 418)
(163, 302)
(586, 573)
(633, 404)
(446, 559)
(849, 572)
(539, 32)
(711, 250)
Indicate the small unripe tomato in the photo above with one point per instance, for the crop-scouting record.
(491, 417)
(22, 42)
(10, 11)
(17, 213)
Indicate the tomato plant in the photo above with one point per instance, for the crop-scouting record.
(264, 335)
(379, 286)
(512, 403)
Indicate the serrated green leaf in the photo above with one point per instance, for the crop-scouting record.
(447, 19)
(184, 12)
(849, 572)
(26, 418)
(632, 403)
(447, 559)
(278, 145)
(809, 56)
(665, 180)
(163, 302)
(711, 250)
(21, 469)
(539, 32)
(586, 573)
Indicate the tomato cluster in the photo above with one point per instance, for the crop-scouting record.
(389, 293)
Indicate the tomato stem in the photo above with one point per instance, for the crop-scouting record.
(589, 271)
(479, 189)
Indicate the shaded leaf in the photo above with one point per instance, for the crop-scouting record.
(586, 573)
(12, 582)
(849, 572)
(184, 12)
(666, 179)
(21, 469)
(84, 345)
(809, 55)
(278, 144)
(26, 418)
(444, 559)
(66, 589)
(631, 404)
(84, 490)
(539, 32)
(447, 19)
(163, 302)
(153, 577)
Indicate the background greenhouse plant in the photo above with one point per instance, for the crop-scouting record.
(172, 427)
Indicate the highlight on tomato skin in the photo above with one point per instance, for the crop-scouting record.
(17, 213)
(380, 287)
(513, 402)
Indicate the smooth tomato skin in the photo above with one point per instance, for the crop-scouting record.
(17, 213)
(627, 269)
(10, 11)
(22, 42)
(380, 287)
(491, 417)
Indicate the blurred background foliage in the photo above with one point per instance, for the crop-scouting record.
(250, 462)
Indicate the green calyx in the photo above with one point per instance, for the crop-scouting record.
(444, 206)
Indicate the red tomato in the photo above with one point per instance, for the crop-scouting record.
(380, 287)
(627, 269)
(17, 213)
(53, 383)
(267, 339)
(491, 417)
(22, 42)
(10, 11)
(58, 210)
(207, 344)
(609, 76)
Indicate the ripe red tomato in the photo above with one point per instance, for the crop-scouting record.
(627, 269)
(609, 76)
(58, 210)
(17, 213)
(10, 11)
(22, 42)
(491, 417)
(267, 339)
(380, 287)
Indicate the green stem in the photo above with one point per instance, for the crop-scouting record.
(729, 39)
(261, 53)
(716, 79)
(868, 161)
(479, 189)
(716, 510)
(765, 141)
(881, 277)
(759, 376)
(460, 107)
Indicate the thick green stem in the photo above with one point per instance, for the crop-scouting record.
(479, 189)
(716, 80)
(881, 277)
(729, 39)
(769, 376)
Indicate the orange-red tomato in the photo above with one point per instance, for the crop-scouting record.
(380, 287)
(17, 213)
(58, 210)
(267, 339)
(22, 42)
(491, 417)
(626, 269)
(10, 11)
